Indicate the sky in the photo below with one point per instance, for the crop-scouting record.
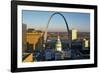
(38, 20)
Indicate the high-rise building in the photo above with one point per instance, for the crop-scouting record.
(24, 30)
(73, 33)
(34, 39)
(86, 43)
(58, 44)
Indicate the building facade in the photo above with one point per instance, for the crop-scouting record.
(73, 34)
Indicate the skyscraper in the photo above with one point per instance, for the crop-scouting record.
(58, 44)
(73, 33)
(24, 30)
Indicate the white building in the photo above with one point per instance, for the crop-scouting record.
(58, 44)
(86, 43)
(73, 33)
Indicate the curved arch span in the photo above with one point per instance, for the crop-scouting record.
(45, 34)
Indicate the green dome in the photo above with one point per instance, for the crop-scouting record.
(58, 45)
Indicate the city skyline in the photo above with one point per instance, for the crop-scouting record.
(38, 20)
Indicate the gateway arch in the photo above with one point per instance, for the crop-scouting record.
(46, 30)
